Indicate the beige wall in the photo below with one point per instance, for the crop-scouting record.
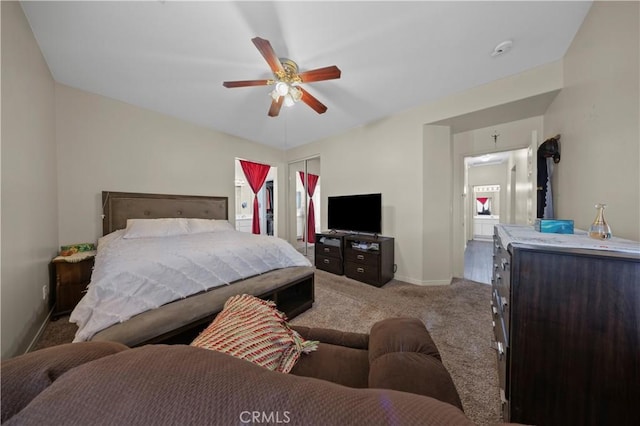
(104, 144)
(410, 163)
(383, 157)
(597, 114)
(29, 190)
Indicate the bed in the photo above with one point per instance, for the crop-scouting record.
(127, 267)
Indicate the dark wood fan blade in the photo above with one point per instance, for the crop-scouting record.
(275, 107)
(326, 73)
(318, 106)
(268, 53)
(245, 83)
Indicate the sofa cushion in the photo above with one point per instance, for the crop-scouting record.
(197, 386)
(254, 330)
(338, 364)
(342, 357)
(25, 376)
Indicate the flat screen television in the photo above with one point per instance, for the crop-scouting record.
(355, 213)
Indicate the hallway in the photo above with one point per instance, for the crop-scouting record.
(477, 261)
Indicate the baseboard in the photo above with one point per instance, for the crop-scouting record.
(34, 341)
(421, 282)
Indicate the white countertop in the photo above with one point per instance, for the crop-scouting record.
(526, 234)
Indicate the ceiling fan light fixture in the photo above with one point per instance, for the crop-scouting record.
(295, 93)
(282, 88)
(288, 101)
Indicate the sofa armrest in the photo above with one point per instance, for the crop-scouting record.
(401, 335)
(25, 376)
(403, 356)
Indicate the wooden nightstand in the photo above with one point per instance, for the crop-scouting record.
(70, 282)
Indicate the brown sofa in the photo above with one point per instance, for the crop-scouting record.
(393, 375)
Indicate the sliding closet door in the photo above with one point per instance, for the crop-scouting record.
(304, 203)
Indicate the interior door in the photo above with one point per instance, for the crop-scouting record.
(532, 167)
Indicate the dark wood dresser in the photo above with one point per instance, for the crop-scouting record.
(566, 319)
(365, 258)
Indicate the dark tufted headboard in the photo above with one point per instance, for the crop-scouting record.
(117, 207)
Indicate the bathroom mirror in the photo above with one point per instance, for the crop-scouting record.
(483, 205)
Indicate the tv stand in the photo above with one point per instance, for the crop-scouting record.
(329, 252)
(365, 258)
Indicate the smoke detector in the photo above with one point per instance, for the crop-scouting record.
(501, 48)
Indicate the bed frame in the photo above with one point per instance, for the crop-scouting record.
(117, 207)
(179, 322)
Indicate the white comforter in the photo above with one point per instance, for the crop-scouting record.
(132, 276)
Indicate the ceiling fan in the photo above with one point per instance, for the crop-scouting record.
(287, 80)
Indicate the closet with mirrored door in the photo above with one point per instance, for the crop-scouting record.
(303, 201)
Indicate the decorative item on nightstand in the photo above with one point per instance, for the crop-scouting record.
(600, 229)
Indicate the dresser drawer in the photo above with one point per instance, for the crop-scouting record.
(501, 346)
(362, 272)
(329, 264)
(72, 273)
(69, 295)
(362, 257)
(501, 298)
(328, 251)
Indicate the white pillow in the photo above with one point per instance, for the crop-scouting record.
(198, 226)
(149, 228)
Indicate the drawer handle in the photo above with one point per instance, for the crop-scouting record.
(504, 264)
(498, 347)
(361, 270)
(326, 261)
(360, 257)
(327, 249)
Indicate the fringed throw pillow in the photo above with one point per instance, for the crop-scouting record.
(253, 329)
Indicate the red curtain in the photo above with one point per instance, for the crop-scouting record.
(482, 200)
(311, 217)
(256, 174)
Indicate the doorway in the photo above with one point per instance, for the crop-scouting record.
(304, 204)
(266, 202)
(499, 191)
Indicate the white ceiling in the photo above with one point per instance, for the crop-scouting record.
(493, 158)
(172, 57)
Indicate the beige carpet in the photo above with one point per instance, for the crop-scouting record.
(457, 315)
